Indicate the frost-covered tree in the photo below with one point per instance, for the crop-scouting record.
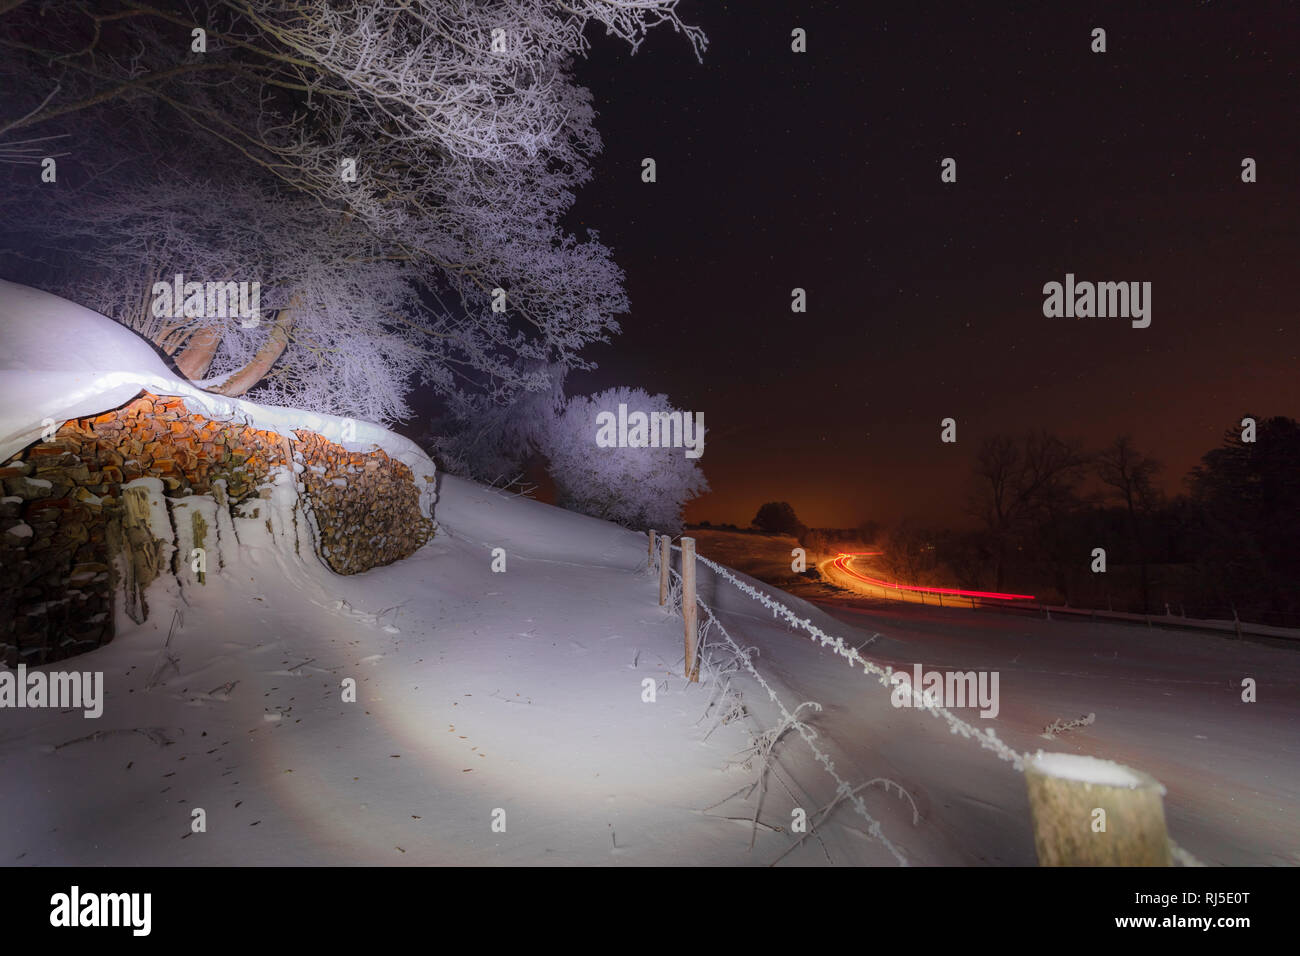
(641, 487)
(1130, 478)
(337, 329)
(429, 147)
(490, 441)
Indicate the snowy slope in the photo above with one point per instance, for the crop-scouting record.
(478, 691)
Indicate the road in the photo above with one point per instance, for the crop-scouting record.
(1166, 702)
(847, 566)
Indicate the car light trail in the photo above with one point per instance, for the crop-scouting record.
(842, 562)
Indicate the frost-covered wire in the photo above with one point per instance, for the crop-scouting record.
(789, 720)
(988, 739)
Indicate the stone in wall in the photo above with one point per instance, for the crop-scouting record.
(65, 514)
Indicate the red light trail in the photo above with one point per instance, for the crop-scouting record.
(842, 561)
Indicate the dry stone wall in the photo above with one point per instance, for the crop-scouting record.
(66, 516)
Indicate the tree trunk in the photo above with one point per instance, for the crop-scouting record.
(237, 383)
(1140, 542)
(197, 357)
(1146, 587)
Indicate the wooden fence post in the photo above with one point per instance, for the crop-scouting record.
(689, 609)
(1092, 812)
(665, 558)
(650, 562)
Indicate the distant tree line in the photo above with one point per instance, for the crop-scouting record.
(1042, 503)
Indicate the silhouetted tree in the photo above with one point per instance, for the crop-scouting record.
(778, 517)
(911, 554)
(1019, 484)
(1130, 478)
(1248, 498)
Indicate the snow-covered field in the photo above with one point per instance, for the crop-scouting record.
(522, 691)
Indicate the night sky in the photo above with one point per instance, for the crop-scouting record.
(821, 170)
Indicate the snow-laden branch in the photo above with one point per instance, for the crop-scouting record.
(433, 146)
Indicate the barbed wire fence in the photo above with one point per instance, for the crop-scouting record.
(766, 742)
